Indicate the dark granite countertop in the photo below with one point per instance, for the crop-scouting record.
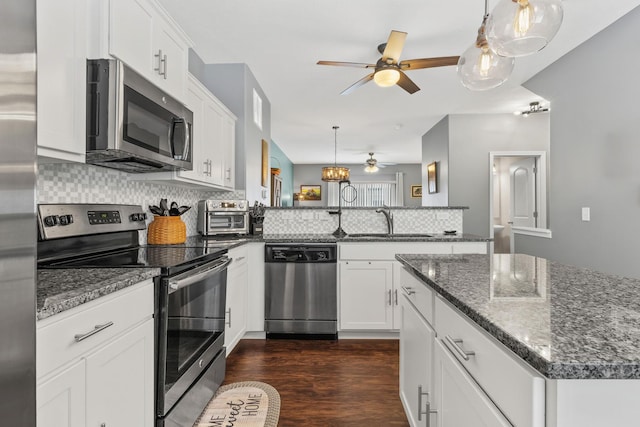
(62, 289)
(328, 238)
(564, 321)
(274, 208)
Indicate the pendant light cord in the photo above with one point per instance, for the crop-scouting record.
(486, 14)
(335, 145)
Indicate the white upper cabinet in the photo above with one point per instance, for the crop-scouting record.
(62, 68)
(213, 143)
(142, 35)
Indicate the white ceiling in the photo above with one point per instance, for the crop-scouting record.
(281, 41)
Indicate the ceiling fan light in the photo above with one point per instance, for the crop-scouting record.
(371, 169)
(522, 27)
(386, 77)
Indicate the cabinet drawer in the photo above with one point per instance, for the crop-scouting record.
(239, 256)
(388, 251)
(518, 390)
(55, 336)
(420, 295)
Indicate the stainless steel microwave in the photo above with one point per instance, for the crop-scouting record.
(132, 125)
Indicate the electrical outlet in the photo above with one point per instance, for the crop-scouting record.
(586, 214)
(442, 215)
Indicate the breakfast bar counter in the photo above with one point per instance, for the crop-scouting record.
(564, 321)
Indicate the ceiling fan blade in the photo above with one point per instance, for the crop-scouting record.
(347, 64)
(414, 64)
(395, 43)
(407, 84)
(357, 84)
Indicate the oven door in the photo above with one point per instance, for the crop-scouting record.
(190, 329)
(227, 223)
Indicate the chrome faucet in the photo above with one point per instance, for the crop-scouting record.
(386, 211)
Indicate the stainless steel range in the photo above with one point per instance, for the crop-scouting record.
(190, 295)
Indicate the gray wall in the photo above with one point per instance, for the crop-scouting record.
(435, 148)
(595, 150)
(233, 84)
(304, 174)
(471, 138)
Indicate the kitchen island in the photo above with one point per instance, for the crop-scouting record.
(576, 330)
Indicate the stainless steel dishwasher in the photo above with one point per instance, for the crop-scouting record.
(301, 291)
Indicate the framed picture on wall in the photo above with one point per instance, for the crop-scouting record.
(432, 178)
(265, 163)
(416, 191)
(310, 192)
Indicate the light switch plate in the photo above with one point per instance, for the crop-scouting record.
(586, 214)
(442, 215)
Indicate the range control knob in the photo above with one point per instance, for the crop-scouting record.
(51, 220)
(138, 216)
(66, 219)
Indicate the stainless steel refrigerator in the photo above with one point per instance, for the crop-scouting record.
(17, 212)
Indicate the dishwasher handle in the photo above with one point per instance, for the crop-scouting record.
(301, 253)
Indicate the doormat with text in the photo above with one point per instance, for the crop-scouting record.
(243, 404)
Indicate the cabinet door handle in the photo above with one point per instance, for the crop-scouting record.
(408, 291)
(228, 174)
(455, 344)
(240, 258)
(229, 317)
(159, 67)
(389, 296)
(395, 296)
(95, 330)
(427, 411)
(164, 61)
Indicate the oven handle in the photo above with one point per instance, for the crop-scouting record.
(193, 276)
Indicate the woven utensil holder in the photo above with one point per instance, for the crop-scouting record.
(167, 230)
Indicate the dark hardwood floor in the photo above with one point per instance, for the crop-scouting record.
(325, 383)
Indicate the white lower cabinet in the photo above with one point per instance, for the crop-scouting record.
(458, 400)
(366, 295)
(255, 288)
(61, 398)
(120, 381)
(95, 363)
(471, 379)
(369, 280)
(236, 305)
(416, 364)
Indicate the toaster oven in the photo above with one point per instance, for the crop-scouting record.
(220, 217)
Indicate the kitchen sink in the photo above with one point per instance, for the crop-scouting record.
(386, 236)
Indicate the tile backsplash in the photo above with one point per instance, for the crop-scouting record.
(319, 221)
(80, 183)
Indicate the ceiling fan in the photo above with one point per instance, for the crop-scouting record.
(389, 70)
(372, 165)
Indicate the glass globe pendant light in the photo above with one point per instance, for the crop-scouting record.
(522, 27)
(479, 67)
(335, 173)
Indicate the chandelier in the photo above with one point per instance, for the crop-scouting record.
(335, 173)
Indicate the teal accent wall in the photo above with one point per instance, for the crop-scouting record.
(277, 159)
